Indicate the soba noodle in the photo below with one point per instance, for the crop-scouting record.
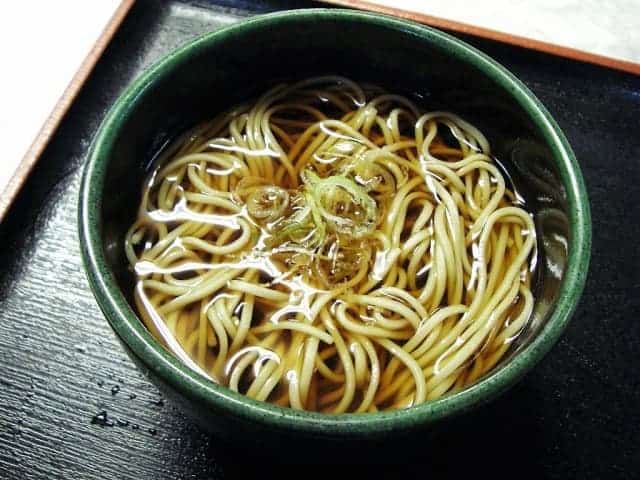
(332, 247)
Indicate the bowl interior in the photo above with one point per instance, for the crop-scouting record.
(238, 63)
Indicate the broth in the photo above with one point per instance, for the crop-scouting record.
(333, 247)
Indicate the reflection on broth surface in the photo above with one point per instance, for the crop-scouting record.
(332, 247)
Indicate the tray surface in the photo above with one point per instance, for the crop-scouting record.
(73, 405)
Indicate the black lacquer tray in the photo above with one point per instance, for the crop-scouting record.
(72, 405)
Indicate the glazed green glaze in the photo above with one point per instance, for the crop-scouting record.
(212, 72)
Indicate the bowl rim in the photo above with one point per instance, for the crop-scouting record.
(219, 399)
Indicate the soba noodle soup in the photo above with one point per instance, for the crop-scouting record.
(333, 247)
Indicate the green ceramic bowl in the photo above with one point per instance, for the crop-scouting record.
(235, 63)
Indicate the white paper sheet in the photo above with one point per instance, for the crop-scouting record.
(42, 45)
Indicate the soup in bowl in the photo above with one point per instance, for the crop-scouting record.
(327, 223)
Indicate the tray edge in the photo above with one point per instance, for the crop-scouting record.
(452, 25)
